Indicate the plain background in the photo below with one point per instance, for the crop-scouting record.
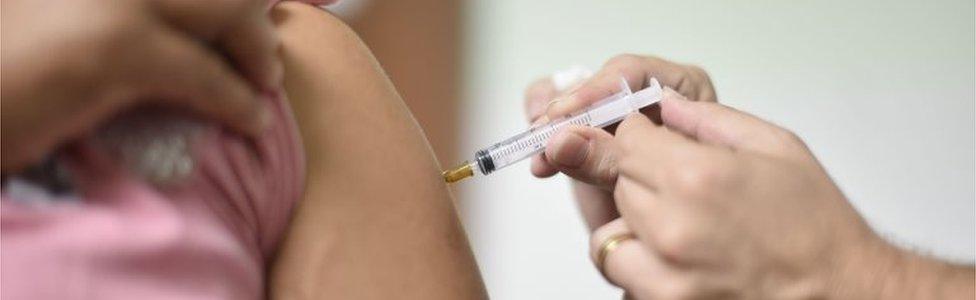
(882, 91)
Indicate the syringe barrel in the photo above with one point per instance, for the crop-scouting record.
(523, 145)
(603, 113)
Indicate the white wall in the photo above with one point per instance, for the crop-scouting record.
(883, 92)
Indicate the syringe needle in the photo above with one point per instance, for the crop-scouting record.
(460, 172)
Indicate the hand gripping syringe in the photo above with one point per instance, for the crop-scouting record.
(601, 114)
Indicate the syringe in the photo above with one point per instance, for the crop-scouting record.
(605, 112)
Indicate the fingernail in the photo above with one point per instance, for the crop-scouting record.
(559, 106)
(540, 121)
(568, 149)
(551, 102)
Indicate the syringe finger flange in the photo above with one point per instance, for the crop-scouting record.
(485, 163)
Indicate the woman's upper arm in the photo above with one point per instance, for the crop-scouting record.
(377, 219)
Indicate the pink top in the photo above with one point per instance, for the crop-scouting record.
(206, 238)
(209, 237)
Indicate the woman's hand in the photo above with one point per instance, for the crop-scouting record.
(722, 204)
(544, 102)
(69, 64)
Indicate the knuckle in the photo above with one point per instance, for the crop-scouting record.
(789, 137)
(633, 165)
(624, 61)
(676, 241)
(624, 197)
(703, 84)
(696, 71)
(657, 62)
(696, 177)
(791, 145)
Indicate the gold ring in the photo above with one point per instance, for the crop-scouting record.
(608, 245)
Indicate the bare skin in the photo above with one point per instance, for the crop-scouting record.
(542, 100)
(91, 59)
(377, 221)
(723, 204)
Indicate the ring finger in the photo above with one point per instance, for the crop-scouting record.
(624, 262)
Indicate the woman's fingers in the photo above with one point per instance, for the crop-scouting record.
(716, 124)
(627, 260)
(625, 263)
(633, 264)
(646, 150)
(596, 204)
(188, 71)
(664, 187)
(238, 28)
(540, 167)
(635, 70)
(675, 238)
(205, 20)
(585, 154)
(537, 97)
(651, 153)
(252, 43)
(185, 73)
